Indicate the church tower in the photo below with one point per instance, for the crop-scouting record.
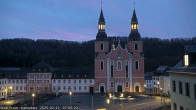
(135, 46)
(101, 50)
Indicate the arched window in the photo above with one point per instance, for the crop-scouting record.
(102, 46)
(126, 69)
(112, 69)
(101, 65)
(136, 46)
(127, 84)
(119, 66)
(137, 65)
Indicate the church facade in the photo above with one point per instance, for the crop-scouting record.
(119, 69)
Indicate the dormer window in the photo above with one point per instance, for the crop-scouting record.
(186, 60)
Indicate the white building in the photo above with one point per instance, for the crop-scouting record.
(42, 78)
(13, 80)
(148, 81)
(160, 79)
(183, 81)
(64, 81)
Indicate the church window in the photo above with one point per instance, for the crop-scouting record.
(119, 55)
(136, 46)
(101, 65)
(127, 84)
(112, 84)
(119, 66)
(126, 71)
(112, 69)
(102, 46)
(137, 65)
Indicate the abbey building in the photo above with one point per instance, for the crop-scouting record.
(119, 69)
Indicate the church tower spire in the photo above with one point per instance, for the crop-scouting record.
(101, 35)
(134, 35)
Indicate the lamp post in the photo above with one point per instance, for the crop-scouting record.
(108, 102)
(10, 91)
(144, 88)
(161, 95)
(113, 97)
(33, 95)
(158, 87)
(122, 95)
(70, 93)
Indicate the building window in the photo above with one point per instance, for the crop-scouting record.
(9, 81)
(64, 81)
(175, 106)
(112, 71)
(126, 71)
(187, 89)
(181, 108)
(59, 81)
(136, 46)
(180, 88)
(54, 81)
(101, 65)
(119, 66)
(74, 87)
(69, 81)
(79, 87)
(79, 81)
(64, 87)
(112, 84)
(102, 46)
(17, 81)
(54, 88)
(195, 91)
(174, 86)
(74, 81)
(20, 87)
(85, 88)
(59, 88)
(85, 81)
(127, 84)
(90, 81)
(137, 65)
(186, 60)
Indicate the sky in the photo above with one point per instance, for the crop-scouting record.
(77, 20)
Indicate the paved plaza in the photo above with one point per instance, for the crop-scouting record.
(91, 102)
(95, 101)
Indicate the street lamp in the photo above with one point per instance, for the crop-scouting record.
(122, 95)
(70, 93)
(10, 91)
(161, 95)
(108, 102)
(113, 97)
(144, 88)
(33, 95)
(158, 87)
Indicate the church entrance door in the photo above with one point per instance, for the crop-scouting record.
(101, 89)
(119, 88)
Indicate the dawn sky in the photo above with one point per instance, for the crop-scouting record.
(77, 20)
